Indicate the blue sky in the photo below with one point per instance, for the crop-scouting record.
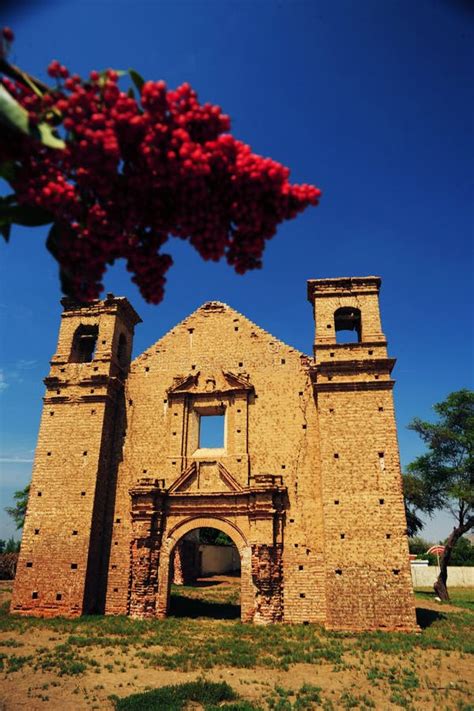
(371, 101)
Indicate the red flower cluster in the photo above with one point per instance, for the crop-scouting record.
(135, 171)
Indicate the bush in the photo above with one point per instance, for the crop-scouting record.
(8, 562)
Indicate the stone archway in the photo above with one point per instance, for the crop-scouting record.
(176, 533)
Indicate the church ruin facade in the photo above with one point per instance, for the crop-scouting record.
(306, 482)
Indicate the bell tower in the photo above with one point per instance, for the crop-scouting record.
(368, 578)
(65, 545)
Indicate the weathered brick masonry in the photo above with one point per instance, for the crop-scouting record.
(307, 483)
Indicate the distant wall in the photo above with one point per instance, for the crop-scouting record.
(219, 559)
(425, 576)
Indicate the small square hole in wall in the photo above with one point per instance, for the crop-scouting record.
(174, 434)
(239, 460)
(73, 566)
(343, 535)
(84, 454)
(49, 454)
(338, 571)
(59, 597)
(371, 353)
(236, 328)
(296, 545)
(331, 355)
(241, 365)
(191, 330)
(303, 426)
(74, 533)
(283, 466)
(175, 414)
(380, 409)
(118, 520)
(29, 564)
(328, 326)
(63, 370)
(92, 412)
(302, 594)
(115, 589)
(51, 413)
(96, 368)
(34, 595)
(292, 520)
(104, 342)
(331, 410)
(165, 401)
(37, 531)
(376, 377)
(381, 501)
(300, 393)
(239, 411)
(193, 367)
(145, 471)
(329, 377)
(395, 571)
(115, 543)
(388, 535)
(336, 501)
(114, 567)
(301, 567)
(83, 493)
(336, 455)
(58, 392)
(39, 493)
(147, 369)
(173, 463)
(283, 361)
(92, 391)
(130, 402)
(238, 431)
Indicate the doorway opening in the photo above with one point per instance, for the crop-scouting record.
(205, 576)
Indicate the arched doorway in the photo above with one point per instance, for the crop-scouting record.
(179, 533)
(205, 576)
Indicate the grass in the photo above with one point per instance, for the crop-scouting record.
(461, 597)
(210, 695)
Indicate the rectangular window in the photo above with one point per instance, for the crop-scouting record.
(211, 431)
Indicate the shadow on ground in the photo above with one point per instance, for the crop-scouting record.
(425, 617)
(181, 606)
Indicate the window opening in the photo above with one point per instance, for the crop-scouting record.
(348, 325)
(122, 350)
(84, 343)
(211, 431)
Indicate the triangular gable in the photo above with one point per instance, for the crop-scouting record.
(222, 381)
(191, 471)
(216, 307)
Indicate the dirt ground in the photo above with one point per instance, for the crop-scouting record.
(440, 678)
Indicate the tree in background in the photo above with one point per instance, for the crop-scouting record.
(116, 172)
(443, 477)
(18, 511)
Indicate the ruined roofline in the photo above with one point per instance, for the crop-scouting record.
(74, 308)
(218, 306)
(340, 286)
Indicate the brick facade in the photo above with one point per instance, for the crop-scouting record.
(307, 483)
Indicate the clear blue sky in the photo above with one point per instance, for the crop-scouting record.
(371, 101)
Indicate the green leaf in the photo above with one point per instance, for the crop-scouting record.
(16, 117)
(7, 171)
(137, 79)
(48, 137)
(27, 215)
(131, 93)
(5, 231)
(12, 113)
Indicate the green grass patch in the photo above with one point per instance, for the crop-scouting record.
(461, 597)
(211, 695)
